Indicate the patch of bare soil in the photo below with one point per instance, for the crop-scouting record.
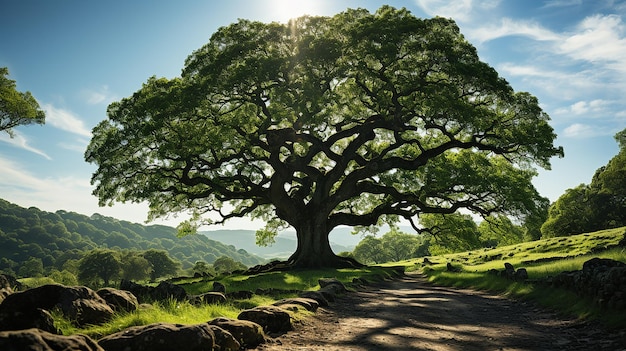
(410, 314)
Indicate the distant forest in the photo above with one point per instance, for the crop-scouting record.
(55, 238)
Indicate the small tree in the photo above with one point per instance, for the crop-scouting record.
(161, 264)
(227, 265)
(202, 267)
(370, 250)
(356, 119)
(99, 264)
(16, 108)
(135, 266)
(452, 233)
(500, 231)
(33, 267)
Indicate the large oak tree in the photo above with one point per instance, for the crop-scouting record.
(353, 120)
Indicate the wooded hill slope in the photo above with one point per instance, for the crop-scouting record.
(54, 237)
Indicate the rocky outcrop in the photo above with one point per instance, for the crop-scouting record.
(119, 300)
(308, 304)
(603, 280)
(316, 296)
(247, 333)
(39, 340)
(273, 319)
(8, 284)
(161, 337)
(509, 272)
(210, 297)
(165, 290)
(78, 303)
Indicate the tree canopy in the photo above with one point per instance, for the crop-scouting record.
(16, 108)
(355, 119)
(595, 206)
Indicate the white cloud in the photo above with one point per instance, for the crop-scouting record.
(459, 10)
(99, 96)
(65, 120)
(593, 108)
(21, 142)
(511, 27)
(598, 39)
(562, 3)
(583, 131)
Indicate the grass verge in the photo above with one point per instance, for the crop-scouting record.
(172, 311)
(542, 259)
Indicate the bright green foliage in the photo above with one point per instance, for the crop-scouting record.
(452, 233)
(61, 237)
(134, 266)
(599, 205)
(500, 231)
(370, 250)
(99, 264)
(355, 119)
(392, 247)
(161, 263)
(32, 268)
(16, 108)
(202, 267)
(227, 265)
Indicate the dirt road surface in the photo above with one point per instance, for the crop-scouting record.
(410, 314)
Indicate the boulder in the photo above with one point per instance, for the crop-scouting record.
(165, 290)
(161, 337)
(451, 268)
(119, 300)
(210, 297)
(308, 304)
(249, 334)
(4, 292)
(603, 264)
(219, 287)
(10, 282)
(30, 318)
(333, 284)
(603, 280)
(273, 319)
(329, 293)
(521, 275)
(315, 295)
(224, 340)
(86, 311)
(240, 295)
(39, 340)
(78, 303)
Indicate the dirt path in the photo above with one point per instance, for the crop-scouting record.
(410, 314)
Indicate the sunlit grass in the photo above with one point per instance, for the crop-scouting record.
(169, 311)
(294, 280)
(542, 259)
(172, 311)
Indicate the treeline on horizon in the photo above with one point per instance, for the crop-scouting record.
(28, 234)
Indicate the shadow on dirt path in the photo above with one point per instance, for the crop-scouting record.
(410, 314)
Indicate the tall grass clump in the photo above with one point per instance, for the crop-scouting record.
(167, 311)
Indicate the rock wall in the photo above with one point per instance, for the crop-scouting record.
(601, 279)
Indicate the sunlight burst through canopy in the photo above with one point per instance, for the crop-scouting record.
(284, 10)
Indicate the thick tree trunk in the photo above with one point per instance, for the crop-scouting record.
(314, 249)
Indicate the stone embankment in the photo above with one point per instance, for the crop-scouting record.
(26, 321)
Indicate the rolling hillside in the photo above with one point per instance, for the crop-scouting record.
(27, 233)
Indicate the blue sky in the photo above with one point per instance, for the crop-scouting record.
(78, 56)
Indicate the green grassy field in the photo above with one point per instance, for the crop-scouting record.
(541, 258)
(185, 313)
